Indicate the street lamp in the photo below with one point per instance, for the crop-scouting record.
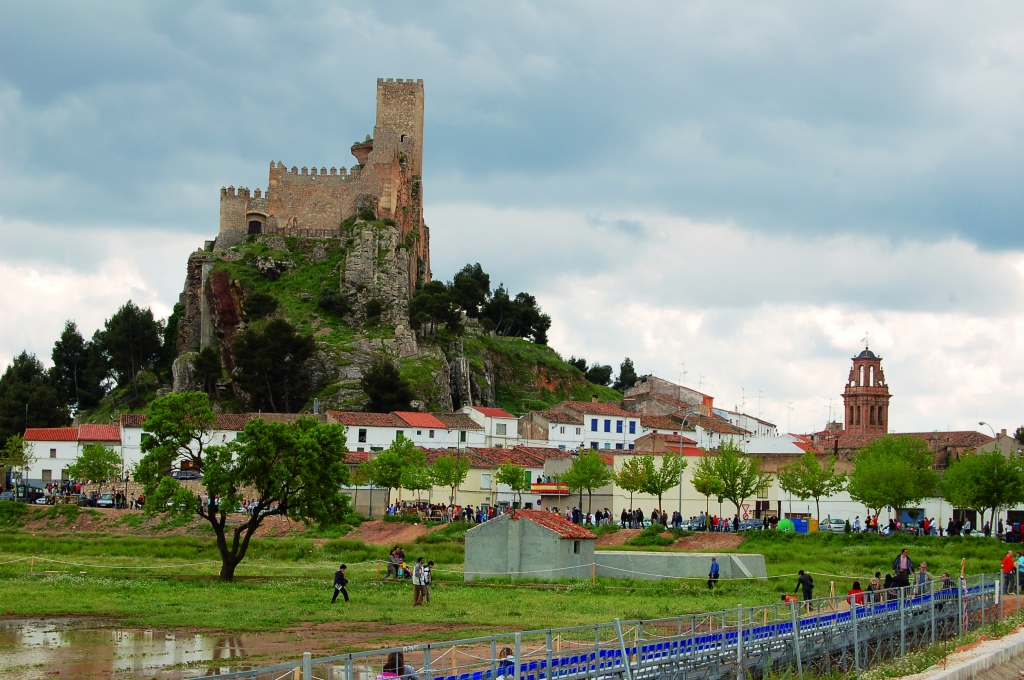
(990, 428)
(681, 465)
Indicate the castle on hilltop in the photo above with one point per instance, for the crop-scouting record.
(313, 203)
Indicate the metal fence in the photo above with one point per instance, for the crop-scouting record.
(819, 635)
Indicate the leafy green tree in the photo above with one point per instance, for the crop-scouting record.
(269, 365)
(740, 474)
(387, 469)
(599, 375)
(431, 306)
(579, 363)
(386, 388)
(169, 348)
(627, 376)
(1019, 435)
(658, 480)
(807, 478)
(293, 469)
(632, 476)
(896, 471)
(450, 471)
(519, 317)
(984, 481)
(28, 398)
(514, 477)
(207, 369)
(96, 464)
(334, 301)
(131, 343)
(587, 472)
(470, 289)
(258, 305)
(706, 482)
(16, 454)
(77, 386)
(415, 473)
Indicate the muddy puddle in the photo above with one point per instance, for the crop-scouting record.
(85, 648)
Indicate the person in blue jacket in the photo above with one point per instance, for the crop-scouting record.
(713, 574)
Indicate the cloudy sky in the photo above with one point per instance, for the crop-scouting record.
(732, 189)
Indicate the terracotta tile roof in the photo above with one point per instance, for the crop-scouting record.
(718, 425)
(608, 458)
(545, 452)
(476, 460)
(132, 419)
(356, 456)
(590, 408)
(500, 456)
(416, 419)
(671, 439)
(287, 418)
(556, 523)
(493, 412)
(362, 419)
(659, 422)
(560, 418)
(233, 422)
(958, 439)
(99, 433)
(457, 421)
(51, 434)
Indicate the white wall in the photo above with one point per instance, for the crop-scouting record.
(594, 431)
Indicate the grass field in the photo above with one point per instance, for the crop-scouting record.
(167, 581)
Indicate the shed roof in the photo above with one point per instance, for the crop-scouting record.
(554, 522)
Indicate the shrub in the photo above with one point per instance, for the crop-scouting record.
(373, 310)
(366, 213)
(453, 532)
(651, 536)
(604, 529)
(334, 302)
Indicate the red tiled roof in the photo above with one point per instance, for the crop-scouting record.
(362, 419)
(598, 409)
(476, 460)
(560, 418)
(500, 456)
(457, 421)
(716, 424)
(51, 434)
(958, 439)
(356, 456)
(670, 439)
(99, 433)
(554, 522)
(608, 458)
(234, 422)
(546, 452)
(132, 419)
(658, 422)
(493, 412)
(416, 419)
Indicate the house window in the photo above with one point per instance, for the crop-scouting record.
(376, 448)
(561, 430)
(47, 475)
(500, 428)
(630, 447)
(53, 453)
(607, 425)
(360, 448)
(561, 447)
(462, 436)
(632, 427)
(528, 480)
(578, 430)
(618, 446)
(575, 547)
(762, 492)
(362, 435)
(485, 481)
(618, 426)
(419, 433)
(431, 434)
(593, 424)
(607, 445)
(64, 476)
(594, 445)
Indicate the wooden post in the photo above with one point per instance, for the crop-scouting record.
(378, 568)
(593, 574)
(832, 595)
(32, 566)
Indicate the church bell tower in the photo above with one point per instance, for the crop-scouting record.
(866, 397)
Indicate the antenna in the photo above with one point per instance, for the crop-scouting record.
(789, 417)
(682, 375)
(759, 403)
(700, 381)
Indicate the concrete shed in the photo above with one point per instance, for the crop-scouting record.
(532, 543)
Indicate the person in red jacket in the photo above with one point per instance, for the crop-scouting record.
(1008, 566)
(856, 595)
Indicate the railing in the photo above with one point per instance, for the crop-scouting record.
(818, 635)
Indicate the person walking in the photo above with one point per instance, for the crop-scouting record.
(903, 566)
(921, 580)
(1020, 570)
(1008, 565)
(417, 583)
(339, 583)
(805, 583)
(393, 562)
(713, 573)
(427, 580)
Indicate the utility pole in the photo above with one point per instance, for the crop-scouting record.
(789, 417)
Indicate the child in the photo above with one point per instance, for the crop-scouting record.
(339, 583)
(427, 579)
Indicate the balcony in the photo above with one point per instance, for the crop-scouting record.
(550, 489)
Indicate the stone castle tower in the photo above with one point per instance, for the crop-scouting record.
(313, 203)
(866, 396)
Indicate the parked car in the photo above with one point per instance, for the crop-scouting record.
(685, 525)
(835, 525)
(187, 474)
(7, 496)
(42, 500)
(105, 501)
(751, 525)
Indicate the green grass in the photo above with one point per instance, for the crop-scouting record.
(453, 532)
(12, 513)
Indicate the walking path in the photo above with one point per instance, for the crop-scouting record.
(987, 660)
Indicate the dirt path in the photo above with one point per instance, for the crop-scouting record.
(704, 542)
(378, 532)
(618, 538)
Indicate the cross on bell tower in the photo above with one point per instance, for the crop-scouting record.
(866, 396)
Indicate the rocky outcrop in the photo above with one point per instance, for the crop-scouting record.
(377, 266)
(183, 372)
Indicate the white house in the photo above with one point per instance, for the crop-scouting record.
(581, 424)
(56, 448)
(755, 426)
(501, 428)
(377, 431)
